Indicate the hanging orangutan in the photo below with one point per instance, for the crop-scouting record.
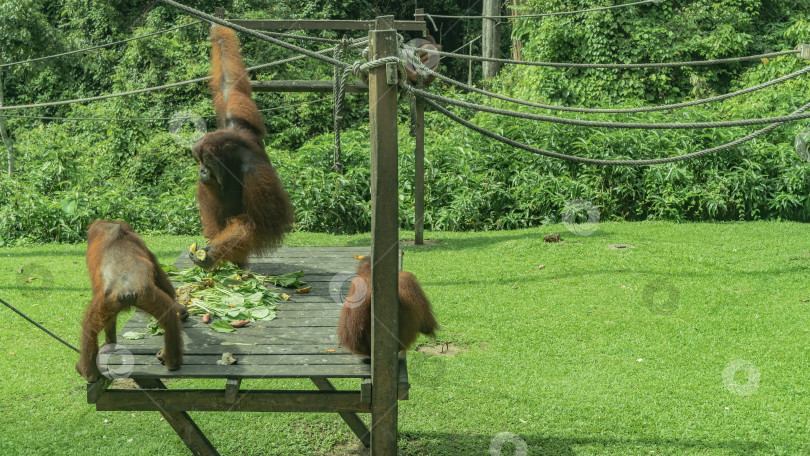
(243, 205)
(415, 313)
(125, 273)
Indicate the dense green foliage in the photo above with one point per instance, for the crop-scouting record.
(71, 172)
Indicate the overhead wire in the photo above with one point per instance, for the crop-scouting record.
(768, 55)
(100, 46)
(612, 110)
(560, 13)
(123, 119)
(604, 162)
(603, 124)
(165, 86)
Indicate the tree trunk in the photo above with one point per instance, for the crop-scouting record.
(517, 46)
(4, 132)
(490, 38)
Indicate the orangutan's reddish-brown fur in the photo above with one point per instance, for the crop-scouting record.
(243, 205)
(124, 273)
(415, 313)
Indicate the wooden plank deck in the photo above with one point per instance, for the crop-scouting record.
(301, 342)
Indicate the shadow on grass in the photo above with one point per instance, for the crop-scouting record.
(485, 239)
(456, 443)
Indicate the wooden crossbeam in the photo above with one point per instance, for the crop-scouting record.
(305, 86)
(325, 24)
(213, 400)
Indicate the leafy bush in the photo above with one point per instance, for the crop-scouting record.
(70, 173)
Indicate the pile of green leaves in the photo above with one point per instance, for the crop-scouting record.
(231, 293)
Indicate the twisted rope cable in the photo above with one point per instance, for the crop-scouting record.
(601, 124)
(99, 46)
(125, 119)
(213, 19)
(601, 162)
(175, 84)
(470, 88)
(360, 68)
(610, 65)
(302, 37)
(339, 92)
(39, 326)
(443, 16)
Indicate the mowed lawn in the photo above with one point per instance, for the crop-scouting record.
(694, 339)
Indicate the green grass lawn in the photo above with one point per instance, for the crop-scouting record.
(602, 351)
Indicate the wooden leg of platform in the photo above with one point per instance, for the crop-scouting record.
(352, 419)
(182, 424)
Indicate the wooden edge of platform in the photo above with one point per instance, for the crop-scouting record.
(403, 385)
(215, 401)
(97, 388)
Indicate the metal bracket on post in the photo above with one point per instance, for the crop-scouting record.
(804, 51)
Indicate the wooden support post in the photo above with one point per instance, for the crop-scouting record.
(490, 39)
(97, 388)
(419, 15)
(384, 241)
(352, 419)
(4, 133)
(232, 390)
(182, 424)
(419, 176)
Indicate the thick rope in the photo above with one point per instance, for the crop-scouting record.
(443, 16)
(339, 94)
(360, 68)
(167, 86)
(610, 65)
(99, 46)
(601, 124)
(302, 37)
(594, 161)
(126, 119)
(39, 326)
(470, 88)
(256, 34)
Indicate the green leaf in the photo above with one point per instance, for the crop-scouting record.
(255, 298)
(68, 206)
(222, 326)
(234, 300)
(153, 328)
(260, 312)
(132, 335)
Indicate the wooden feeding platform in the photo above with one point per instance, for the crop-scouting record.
(301, 342)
